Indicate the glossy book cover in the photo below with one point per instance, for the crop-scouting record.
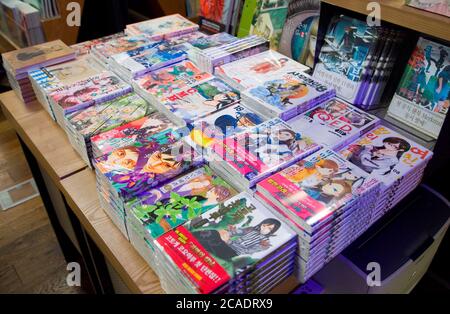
(120, 44)
(182, 199)
(225, 241)
(166, 26)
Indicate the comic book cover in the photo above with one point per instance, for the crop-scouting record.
(117, 45)
(94, 89)
(164, 82)
(225, 241)
(132, 170)
(214, 40)
(84, 47)
(109, 115)
(201, 99)
(163, 27)
(218, 126)
(386, 155)
(345, 52)
(252, 71)
(436, 6)
(264, 149)
(334, 123)
(180, 200)
(185, 38)
(290, 94)
(422, 98)
(313, 188)
(140, 130)
(217, 11)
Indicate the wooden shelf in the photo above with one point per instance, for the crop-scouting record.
(396, 12)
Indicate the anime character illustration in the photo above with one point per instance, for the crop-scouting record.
(279, 93)
(356, 119)
(269, 66)
(379, 159)
(230, 125)
(329, 191)
(336, 108)
(308, 174)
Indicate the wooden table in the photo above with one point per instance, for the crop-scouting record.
(96, 241)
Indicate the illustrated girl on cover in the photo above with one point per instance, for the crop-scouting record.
(329, 191)
(336, 108)
(379, 159)
(150, 127)
(230, 125)
(312, 174)
(269, 65)
(280, 92)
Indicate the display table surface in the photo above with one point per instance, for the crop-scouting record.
(53, 151)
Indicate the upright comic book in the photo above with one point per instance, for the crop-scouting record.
(163, 27)
(180, 200)
(131, 170)
(287, 95)
(225, 123)
(260, 151)
(139, 130)
(213, 249)
(422, 98)
(252, 71)
(334, 123)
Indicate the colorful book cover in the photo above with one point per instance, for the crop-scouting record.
(422, 98)
(166, 26)
(84, 47)
(21, 60)
(344, 54)
(180, 200)
(252, 71)
(95, 89)
(169, 80)
(109, 115)
(386, 154)
(299, 36)
(212, 41)
(315, 187)
(49, 78)
(140, 130)
(225, 241)
(132, 170)
(264, 148)
(436, 6)
(186, 38)
(202, 99)
(334, 123)
(117, 45)
(217, 11)
(290, 94)
(225, 123)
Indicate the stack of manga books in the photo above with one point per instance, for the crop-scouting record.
(203, 133)
(127, 172)
(19, 62)
(84, 93)
(255, 70)
(172, 204)
(287, 95)
(334, 123)
(85, 47)
(185, 38)
(238, 247)
(327, 201)
(357, 59)
(83, 124)
(139, 130)
(147, 58)
(103, 51)
(162, 28)
(250, 156)
(210, 58)
(393, 159)
(46, 79)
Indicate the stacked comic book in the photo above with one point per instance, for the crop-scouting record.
(255, 70)
(82, 94)
(327, 200)
(140, 130)
(185, 38)
(18, 63)
(127, 172)
(250, 156)
(287, 95)
(84, 124)
(203, 133)
(85, 47)
(423, 95)
(103, 51)
(393, 159)
(162, 28)
(357, 59)
(170, 205)
(334, 123)
(210, 58)
(46, 79)
(236, 247)
(147, 58)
